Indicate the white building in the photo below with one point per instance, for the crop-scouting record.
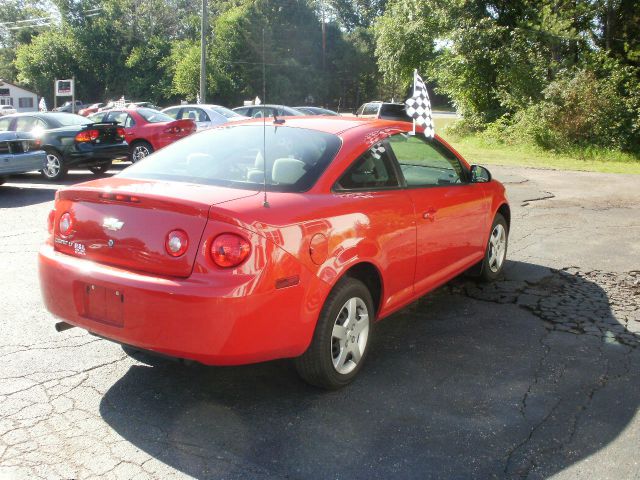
(21, 99)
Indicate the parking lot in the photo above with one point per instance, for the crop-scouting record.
(533, 376)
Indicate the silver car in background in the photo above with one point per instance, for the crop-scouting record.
(20, 152)
(205, 116)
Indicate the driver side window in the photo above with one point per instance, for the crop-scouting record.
(424, 162)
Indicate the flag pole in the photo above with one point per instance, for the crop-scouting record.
(415, 72)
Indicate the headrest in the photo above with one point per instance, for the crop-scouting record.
(287, 171)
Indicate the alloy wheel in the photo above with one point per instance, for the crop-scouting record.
(349, 336)
(497, 248)
(139, 152)
(53, 166)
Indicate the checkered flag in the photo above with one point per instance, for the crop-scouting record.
(120, 103)
(377, 150)
(418, 106)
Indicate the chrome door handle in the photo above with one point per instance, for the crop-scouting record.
(429, 214)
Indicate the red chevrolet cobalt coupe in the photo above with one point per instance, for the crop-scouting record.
(188, 254)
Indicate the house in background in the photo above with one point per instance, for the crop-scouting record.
(21, 99)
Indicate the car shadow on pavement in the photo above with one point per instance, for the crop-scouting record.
(520, 378)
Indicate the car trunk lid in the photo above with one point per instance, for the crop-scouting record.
(125, 223)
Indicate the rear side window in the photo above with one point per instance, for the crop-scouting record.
(172, 112)
(5, 123)
(123, 118)
(154, 116)
(371, 171)
(371, 109)
(195, 114)
(25, 124)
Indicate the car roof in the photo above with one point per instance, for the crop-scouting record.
(335, 125)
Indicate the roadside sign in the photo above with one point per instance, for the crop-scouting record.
(64, 88)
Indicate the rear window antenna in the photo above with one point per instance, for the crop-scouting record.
(265, 202)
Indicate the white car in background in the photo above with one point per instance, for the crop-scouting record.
(205, 116)
(7, 110)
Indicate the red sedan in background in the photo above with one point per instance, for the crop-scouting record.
(146, 130)
(187, 254)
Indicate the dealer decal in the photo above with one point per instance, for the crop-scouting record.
(78, 248)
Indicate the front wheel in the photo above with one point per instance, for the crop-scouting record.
(101, 169)
(55, 168)
(496, 251)
(140, 150)
(342, 337)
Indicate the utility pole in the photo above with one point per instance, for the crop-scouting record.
(203, 53)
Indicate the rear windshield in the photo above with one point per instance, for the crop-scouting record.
(225, 112)
(394, 112)
(68, 119)
(233, 156)
(153, 116)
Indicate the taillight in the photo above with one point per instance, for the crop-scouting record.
(229, 250)
(120, 133)
(50, 219)
(87, 135)
(66, 224)
(176, 243)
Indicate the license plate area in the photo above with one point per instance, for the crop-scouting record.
(103, 304)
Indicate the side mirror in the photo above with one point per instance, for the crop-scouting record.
(480, 174)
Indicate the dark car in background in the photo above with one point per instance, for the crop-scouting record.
(70, 141)
(20, 152)
(316, 111)
(385, 110)
(259, 111)
(67, 107)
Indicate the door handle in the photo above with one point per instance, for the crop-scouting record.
(429, 214)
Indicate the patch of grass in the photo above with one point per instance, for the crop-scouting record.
(476, 149)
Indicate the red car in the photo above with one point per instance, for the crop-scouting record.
(93, 108)
(187, 255)
(146, 130)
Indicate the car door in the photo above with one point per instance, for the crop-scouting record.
(372, 187)
(450, 212)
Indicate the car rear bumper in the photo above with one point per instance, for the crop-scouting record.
(22, 162)
(89, 153)
(192, 318)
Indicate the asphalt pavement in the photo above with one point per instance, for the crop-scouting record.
(534, 376)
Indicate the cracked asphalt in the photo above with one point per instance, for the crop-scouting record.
(535, 376)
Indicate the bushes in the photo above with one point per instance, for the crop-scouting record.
(581, 108)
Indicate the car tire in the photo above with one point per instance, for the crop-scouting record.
(139, 150)
(495, 255)
(55, 168)
(101, 169)
(342, 337)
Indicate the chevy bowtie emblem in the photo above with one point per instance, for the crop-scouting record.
(111, 223)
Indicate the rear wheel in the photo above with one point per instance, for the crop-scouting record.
(342, 337)
(496, 251)
(140, 150)
(101, 169)
(54, 168)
